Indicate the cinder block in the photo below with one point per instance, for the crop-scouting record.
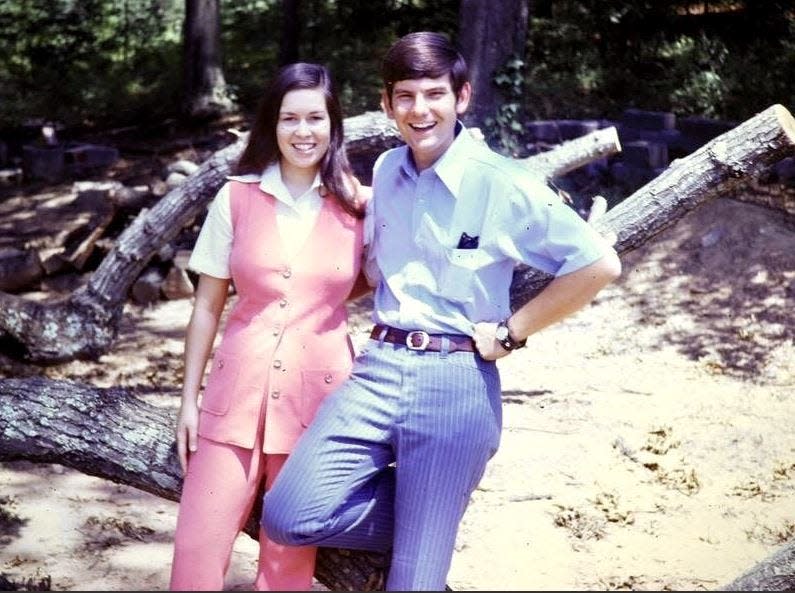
(704, 129)
(641, 153)
(87, 158)
(574, 128)
(543, 131)
(648, 120)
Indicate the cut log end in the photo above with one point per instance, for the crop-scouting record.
(786, 121)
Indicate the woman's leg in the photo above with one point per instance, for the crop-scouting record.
(217, 496)
(282, 568)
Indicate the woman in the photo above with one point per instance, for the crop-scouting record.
(287, 231)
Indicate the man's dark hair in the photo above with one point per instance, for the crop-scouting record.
(423, 54)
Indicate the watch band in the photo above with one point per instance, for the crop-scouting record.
(505, 339)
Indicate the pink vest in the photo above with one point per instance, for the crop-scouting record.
(285, 345)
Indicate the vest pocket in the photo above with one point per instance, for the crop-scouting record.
(220, 388)
(316, 384)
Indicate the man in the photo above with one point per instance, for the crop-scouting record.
(394, 454)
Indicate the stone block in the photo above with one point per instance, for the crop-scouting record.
(83, 159)
(648, 120)
(44, 163)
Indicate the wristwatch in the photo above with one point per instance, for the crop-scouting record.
(503, 335)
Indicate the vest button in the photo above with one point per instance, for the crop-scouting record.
(275, 394)
(328, 378)
(287, 273)
(283, 303)
(277, 364)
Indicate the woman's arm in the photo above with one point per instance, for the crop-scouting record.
(207, 309)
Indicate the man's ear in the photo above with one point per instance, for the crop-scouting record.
(386, 105)
(464, 96)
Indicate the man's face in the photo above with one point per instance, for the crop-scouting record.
(425, 111)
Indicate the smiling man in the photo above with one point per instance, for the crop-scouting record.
(394, 454)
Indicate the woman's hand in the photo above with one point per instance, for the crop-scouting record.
(187, 425)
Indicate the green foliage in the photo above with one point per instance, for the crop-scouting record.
(503, 131)
(118, 62)
(85, 63)
(591, 60)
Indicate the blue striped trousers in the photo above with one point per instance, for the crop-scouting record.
(390, 461)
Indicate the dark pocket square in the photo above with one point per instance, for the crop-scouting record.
(467, 242)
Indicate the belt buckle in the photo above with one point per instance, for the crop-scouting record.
(412, 338)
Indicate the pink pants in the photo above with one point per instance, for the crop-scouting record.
(219, 491)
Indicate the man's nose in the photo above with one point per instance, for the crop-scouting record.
(420, 105)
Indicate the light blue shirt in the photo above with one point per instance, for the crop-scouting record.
(415, 220)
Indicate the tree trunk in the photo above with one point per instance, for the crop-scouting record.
(291, 32)
(85, 325)
(490, 32)
(774, 573)
(205, 94)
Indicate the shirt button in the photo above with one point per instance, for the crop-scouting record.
(277, 364)
(276, 331)
(283, 303)
(287, 273)
(220, 364)
(275, 394)
(328, 378)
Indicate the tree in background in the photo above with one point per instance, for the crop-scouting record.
(205, 93)
(490, 33)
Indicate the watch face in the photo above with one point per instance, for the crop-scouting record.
(502, 333)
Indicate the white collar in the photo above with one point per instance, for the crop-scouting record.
(270, 181)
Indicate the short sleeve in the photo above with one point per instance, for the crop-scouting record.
(213, 246)
(553, 238)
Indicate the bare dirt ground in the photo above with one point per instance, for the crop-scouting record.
(647, 441)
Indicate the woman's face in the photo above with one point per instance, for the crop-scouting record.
(303, 130)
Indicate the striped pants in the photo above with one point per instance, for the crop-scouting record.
(390, 461)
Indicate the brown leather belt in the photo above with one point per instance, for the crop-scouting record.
(420, 340)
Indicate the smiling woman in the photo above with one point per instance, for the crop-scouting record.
(287, 231)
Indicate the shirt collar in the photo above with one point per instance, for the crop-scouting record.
(450, 167)
(270, 182)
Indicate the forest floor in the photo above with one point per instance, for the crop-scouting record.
(647, 440)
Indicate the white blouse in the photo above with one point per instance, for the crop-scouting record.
(295, 218)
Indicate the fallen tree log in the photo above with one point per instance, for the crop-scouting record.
(85, 324)
(717, 168)
(113, 435)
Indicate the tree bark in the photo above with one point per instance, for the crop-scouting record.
(490, 32)
(204, 87)
(774, 573)
(85, 325)
(291, 32)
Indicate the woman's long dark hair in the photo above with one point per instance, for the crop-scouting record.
(262, 148)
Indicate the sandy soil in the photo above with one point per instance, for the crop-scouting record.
(647, 441)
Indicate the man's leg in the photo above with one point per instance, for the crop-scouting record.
(336, 488)
(451, 428)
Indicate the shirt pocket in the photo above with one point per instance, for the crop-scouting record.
(221, 385)
(316, 384)
(458, 279)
